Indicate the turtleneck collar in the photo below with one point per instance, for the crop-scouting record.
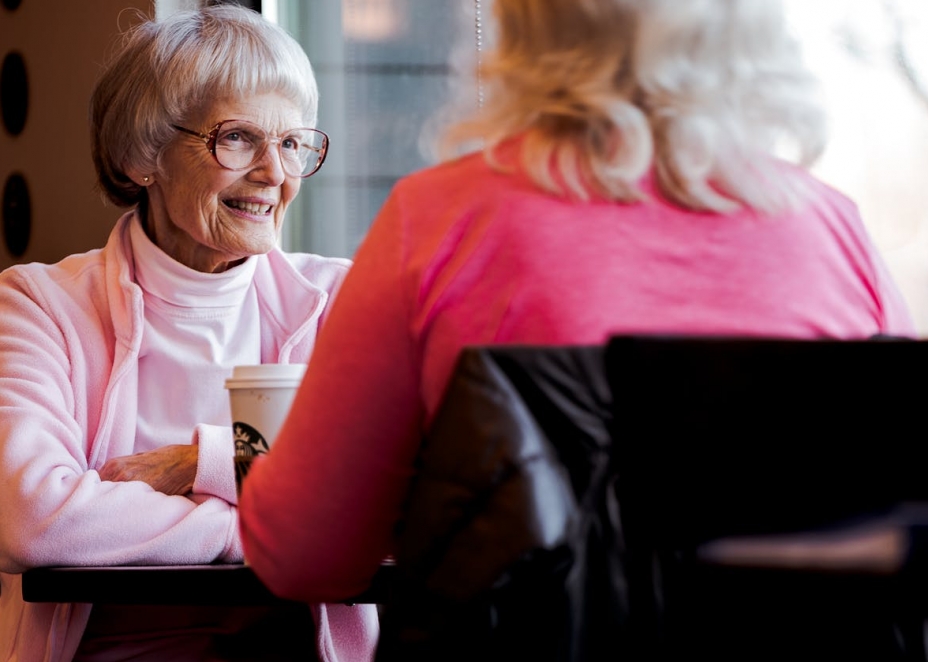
(161, 276)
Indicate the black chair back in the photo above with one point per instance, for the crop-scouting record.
(511, 547)
(719, 437)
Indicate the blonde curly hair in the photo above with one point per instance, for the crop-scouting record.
(709, 94)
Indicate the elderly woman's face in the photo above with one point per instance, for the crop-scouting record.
(208, 217)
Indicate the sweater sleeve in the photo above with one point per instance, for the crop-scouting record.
(64, 411)
(317, 512)
(215, 468)
(897, 318)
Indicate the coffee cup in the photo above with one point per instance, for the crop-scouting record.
(260, 397)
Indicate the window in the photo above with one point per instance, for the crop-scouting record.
(383, 69)
(872, 59)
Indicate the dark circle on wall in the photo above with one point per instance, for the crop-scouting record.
(14, 92)
(11, 4)
(17, 214)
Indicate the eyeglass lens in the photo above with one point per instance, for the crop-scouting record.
(239, 144)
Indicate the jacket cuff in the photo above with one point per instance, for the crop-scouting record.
(215, 467)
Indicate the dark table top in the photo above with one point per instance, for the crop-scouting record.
(199, 585)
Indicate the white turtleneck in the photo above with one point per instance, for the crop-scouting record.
(197, 327)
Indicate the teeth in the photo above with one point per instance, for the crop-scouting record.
(250, 207)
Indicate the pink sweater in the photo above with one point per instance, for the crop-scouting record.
(463, 255)
(70, 334)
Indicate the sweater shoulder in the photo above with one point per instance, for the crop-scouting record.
(73, 273)
(324, 272)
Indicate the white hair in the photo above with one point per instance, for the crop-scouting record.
(162, 71)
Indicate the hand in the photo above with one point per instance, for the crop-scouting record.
(169, 469)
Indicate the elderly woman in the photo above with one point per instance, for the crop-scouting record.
(115, 442)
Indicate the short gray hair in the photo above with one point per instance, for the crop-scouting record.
(162, 71)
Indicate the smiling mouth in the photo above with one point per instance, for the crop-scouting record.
(249, 207)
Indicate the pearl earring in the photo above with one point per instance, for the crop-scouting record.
(146, 178)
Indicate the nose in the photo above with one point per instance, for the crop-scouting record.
(269, 167)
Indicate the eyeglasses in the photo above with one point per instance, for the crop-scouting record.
(238, 144)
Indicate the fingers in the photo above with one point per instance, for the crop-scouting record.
(169, 469)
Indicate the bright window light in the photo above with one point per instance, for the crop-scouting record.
(872, 59)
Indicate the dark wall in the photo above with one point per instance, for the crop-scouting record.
(53, 50)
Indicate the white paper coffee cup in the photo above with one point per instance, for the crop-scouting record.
(260, 397)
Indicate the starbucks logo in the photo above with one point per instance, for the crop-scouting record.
(248, 441)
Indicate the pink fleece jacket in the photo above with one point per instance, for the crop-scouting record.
(69, 340)
(461, 254)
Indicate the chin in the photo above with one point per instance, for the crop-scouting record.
(263, 247)
(260, 242)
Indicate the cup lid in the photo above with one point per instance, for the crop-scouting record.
(268, 372)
